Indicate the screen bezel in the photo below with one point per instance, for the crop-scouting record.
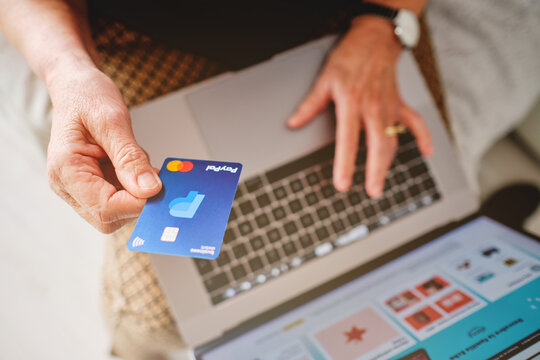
(341, 280)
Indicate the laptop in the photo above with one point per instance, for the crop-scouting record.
(289, 231)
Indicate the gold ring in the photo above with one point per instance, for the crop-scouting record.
(394, 130)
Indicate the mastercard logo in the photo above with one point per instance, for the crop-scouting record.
(177, 165)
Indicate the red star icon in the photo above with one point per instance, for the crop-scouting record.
(355, 334)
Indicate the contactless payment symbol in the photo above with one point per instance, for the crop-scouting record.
(185, 207)
(181, 166)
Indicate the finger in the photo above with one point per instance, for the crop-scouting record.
(315, 102)
(347, 137)
(97, 200)
(416, 125)
(133, 169)
(380, 153)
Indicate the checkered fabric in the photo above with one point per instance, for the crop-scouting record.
(135, 307)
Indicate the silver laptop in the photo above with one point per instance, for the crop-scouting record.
(289, 230)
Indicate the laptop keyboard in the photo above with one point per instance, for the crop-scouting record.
(292, 215)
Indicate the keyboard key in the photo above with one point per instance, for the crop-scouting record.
(406, 138)
(414, 190)
(263, 200)
(354, 198)
(217, 299)
(327, 171)
(338, 205)
(204, 266)
(408, 155)
(233, 215)
(245, 228)
(272, 256)
(418, 170)
(229, 236)
(400, 177)
(311, 198)
(257, 242)
(312, 178)
(369, 211)
(323, 249)
(216, 282)
(223, 258)
(296, 185)
(253, 184)
(273, 235)
(323, 213)
(328, 191)
(246, 207)
(306, 220)
(295, 205)
(255, 264)
(239, 251)
(289, 248)
(353, 218)
(290, 228)
(359, 177)
(262, 220)
(322, 234)
(360, 156)
(305, 240)
(384, 204)
(279, 213)
(428, 184)
(387, 184)
(239, 193)
(338, 225)
(399, 197)
(280, 193)
(238, 271)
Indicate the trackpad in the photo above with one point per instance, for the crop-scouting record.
(243, 118)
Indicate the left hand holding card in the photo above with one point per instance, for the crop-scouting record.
(190, 214)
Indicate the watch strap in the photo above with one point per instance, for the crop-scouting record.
(358, 8)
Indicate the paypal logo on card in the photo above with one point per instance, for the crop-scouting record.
(185, 207)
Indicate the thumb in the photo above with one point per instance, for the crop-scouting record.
(131, 164)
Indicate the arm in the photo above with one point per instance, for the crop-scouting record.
(360, 78)
(93, 162)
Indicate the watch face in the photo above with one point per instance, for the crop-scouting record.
(407, 28)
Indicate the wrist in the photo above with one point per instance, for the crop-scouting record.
(66, 68)
(405, 23)
(379, 29)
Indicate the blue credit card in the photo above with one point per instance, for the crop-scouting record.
(189, 216)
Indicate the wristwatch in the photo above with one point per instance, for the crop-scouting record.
(406, 25)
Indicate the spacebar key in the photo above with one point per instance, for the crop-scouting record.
(216, 282)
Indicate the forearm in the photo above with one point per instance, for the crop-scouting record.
(51, 34)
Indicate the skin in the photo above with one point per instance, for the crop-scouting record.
(94, 162)
(360, 79)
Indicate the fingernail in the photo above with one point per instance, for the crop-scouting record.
(376, 190)
(342, 184)
(430, 150)
(291, 121)
(147, 180)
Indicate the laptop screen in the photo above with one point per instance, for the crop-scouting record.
(473, 293)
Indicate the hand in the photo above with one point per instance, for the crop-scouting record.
(360, 78)
(94, 162)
